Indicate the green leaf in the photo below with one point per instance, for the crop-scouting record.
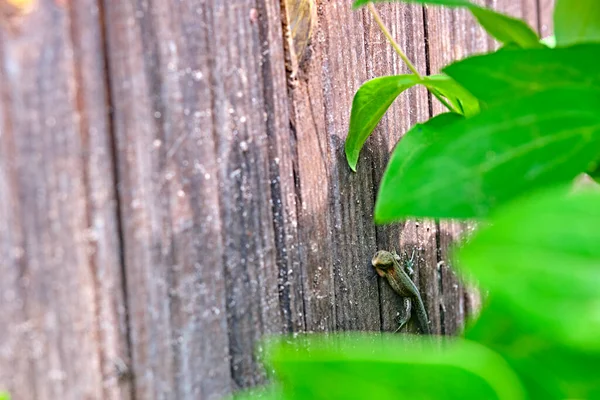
(371, 101)
(413, 143)
(502, 27)
(458, 96)
(375, 97)
(540, 255)
(504, 75)
(537, 141)
(538, 258)
(506, 29)
(389, 367)
(576, 21)
(4, 396)
(548, 369)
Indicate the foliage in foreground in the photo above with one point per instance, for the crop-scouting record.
(522, 123)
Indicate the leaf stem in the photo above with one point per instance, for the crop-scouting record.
(403, 56)
(390, 39)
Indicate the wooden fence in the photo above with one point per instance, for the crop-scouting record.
(168, 196)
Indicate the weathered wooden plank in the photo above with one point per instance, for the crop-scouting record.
(162, 61)
(282, 169)
(314, 182)
(335, 219)
(250, 269)
(62, 310)
(16, 370)
(251, 202)
(411, 239)
(351, 194)
(207, 188)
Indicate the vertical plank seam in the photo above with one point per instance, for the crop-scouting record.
(294, 153)
(439, 274)
(282, 257)
(298, 203)
(85, 177)
(427, 56)
(327, 152)
(378, 239)
(115, 175)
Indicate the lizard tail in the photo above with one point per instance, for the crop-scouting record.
(422, 316)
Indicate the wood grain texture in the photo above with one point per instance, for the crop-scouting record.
(337, 237)
(350, 196)
(62, 310)
(207, 190)
(234, 214)
(172, 139)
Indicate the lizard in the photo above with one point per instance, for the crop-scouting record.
(387, 265)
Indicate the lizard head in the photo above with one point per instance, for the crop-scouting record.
(383, 261)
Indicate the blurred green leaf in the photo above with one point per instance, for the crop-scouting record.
(506, 29)
(503, 75)
(4, 396)
(478, 163)
(390, 367)
(576, 21)
(371, 101)
(548, 368)
(541, 256)
(502, 27)
(594, 173)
